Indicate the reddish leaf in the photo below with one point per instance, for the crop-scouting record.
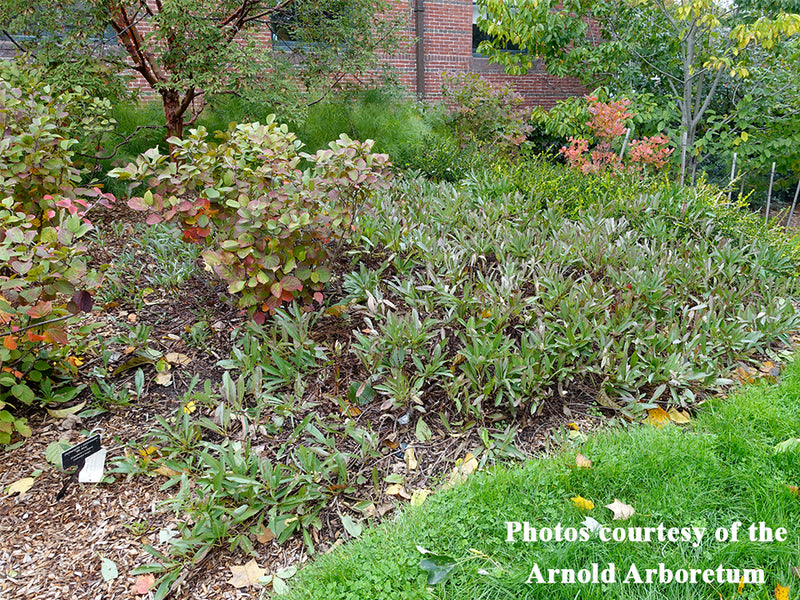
(259, 317)
(10, 343)
(35, 337)
(153, 219)
(276, 289)
(287, 296)
(40, 310)
(291, 283)
(318, 297)
(137, 204)
(83, 300)
(56, 335)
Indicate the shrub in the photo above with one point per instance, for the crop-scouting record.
(607, 124)
(266, 223)
(485, 113)
(42, 219)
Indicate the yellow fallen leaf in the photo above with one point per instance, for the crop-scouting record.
(741, 585)
(337, 310)
(419, 496)
(190, 407)
(781, 593)
(583, 462)
(397, 489)
(20, 486)
(573, 426)
(463, 469)
(657, 417)
(678, 416)
(582, 503)
(746, 374)
(411, 459)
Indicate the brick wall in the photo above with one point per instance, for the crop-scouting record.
(448, 48)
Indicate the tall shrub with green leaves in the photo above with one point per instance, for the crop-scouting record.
(45, 276)
(267, 224)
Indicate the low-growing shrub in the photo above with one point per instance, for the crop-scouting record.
(267, 224)
(45, 277)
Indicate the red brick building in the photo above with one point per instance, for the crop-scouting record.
(447, 41)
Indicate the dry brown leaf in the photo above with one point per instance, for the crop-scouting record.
(350, 410)
(680, 417)
(176, 358)
(794, 489)
(781, 593)
(144, 583)
(246, 575)
(621, 510)
(582, 503)
(657, 417)
(133, 318)
(266, 535)
(795, 571)
(746, 374)
(164, 378)
(20, 486)
(166, 471)
(411, 459)
(583, 462)
(397, 489)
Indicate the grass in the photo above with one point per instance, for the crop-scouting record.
(721, 469)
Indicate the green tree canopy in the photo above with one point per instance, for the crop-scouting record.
(185, 49)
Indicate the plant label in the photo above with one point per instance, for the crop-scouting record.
(92, 471)
(78, 454)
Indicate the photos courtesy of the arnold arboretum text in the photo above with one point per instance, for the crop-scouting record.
(281, 320)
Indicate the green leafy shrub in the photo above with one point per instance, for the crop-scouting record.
(482, 112)
(266, 223)
(42, 220)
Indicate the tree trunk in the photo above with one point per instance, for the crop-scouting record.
(173, 112)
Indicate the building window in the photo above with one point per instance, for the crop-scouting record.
(479, 35)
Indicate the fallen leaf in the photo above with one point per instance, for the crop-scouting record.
(396, 489)
(657, 417)
(176, 358)
(337, 310)
(794, 489)
(164, 378)
(108, 569)
(190, 407)
(591, 524)
(741, 585)
(266, 535)
(788, 445)
(781, 593)
(411, 459)
(144, 583)
(582, 503)
(419, 496)
(64, 412)
(621, 510)
(795, 571)
(246, 575)
(746, 374)
(681, 417)
(351, 527)
(132, 318)
(166, 471)
(20, 486)
(463, 469)
(583, 462)
(422, 431)
(573, 426)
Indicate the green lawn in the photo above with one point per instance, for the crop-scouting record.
(721, 469)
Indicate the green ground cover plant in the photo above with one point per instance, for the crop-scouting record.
(504, 305)
(738, 461)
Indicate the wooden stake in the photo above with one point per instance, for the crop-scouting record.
(794, 202)
(769, 193)
(683, 156)
(733, 174)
